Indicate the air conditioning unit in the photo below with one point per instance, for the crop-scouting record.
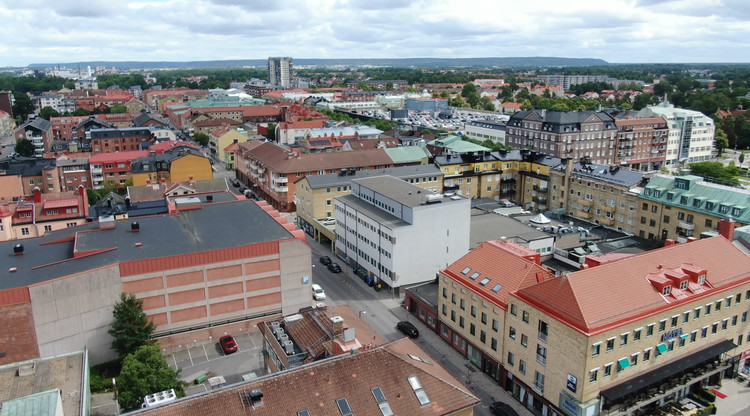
(289, 347)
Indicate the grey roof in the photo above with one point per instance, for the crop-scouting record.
(37, 124)
(402, 172)
(25, 166)
(401, 191)
(94, 121)
(383, 217)
(215, 226)
(494, 125)
(161, 161)
(144, 118)
(611, 174)
(557, 121)
(490, 226)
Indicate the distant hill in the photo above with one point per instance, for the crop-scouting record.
(534, 61)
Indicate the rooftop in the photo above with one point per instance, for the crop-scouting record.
(401, 172)
(404, 192)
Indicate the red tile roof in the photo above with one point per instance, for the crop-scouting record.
(317, 386)
(279, 159)
(599, 298)
(501, 262)
(61, 203)
(117, 156)
(162, 147)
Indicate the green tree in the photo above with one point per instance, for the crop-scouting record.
(145, 371)
(486, 104)
(24, 147)
(131, 327)
(722, 141)
(119, 109)
(201, 138)
(47, 112)
(742, 158)
(80, 111)
(22, 105)
(271, 131)
(715, 172)
(468, 89)
(473, 100)
(389, 86)
(663, 88)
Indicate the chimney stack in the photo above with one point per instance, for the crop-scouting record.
(338, 326)
(726, 228)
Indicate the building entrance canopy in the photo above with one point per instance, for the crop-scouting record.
(665, 372)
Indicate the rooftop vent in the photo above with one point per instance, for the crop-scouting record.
(255, 395)
(209, 198)
(18, 249)
(289, 347)
(135, 227)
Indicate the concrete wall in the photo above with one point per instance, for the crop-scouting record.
(76, 312)
(295, 266)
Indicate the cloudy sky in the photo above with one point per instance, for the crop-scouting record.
(54, 31)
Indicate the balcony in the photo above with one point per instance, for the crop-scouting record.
(540, 188)
(278, 181)
(607, 221)
(686, 225)
(276, 188)
(586, 202)
(607, 208)
(584, 214)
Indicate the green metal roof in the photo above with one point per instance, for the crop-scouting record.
(700, 196)
(407, 154)
(38, 404)
(456, 145)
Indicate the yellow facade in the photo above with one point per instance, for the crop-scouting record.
(181, 169)
(218, 144)
(481, 179)
(532, 185)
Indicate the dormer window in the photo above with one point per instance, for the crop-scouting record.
(701, 279)
(683, 285)
(657, 194)
(667, 290)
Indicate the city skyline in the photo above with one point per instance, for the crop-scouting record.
(618, 31)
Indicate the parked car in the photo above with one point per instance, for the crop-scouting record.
(334, 267)
(328, 221)
(318, 292)
(228, 345)
(325, 260)
(502, 409)
(408, 329)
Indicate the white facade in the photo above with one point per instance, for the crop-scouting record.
(691, 133)
(280, 71)
(486, 130)
(400, 233)
(52, 100)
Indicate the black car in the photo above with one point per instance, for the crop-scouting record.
(502, 409)
(325, 260)
(408, 329)
(334, 267)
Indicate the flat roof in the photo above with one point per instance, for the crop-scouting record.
(490, 226)
(404, 192)
(334, 179)
(213, 226)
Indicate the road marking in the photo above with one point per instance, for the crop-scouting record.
(206, 352)
(175, 362)
(192, 364)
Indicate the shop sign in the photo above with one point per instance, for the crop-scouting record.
(671, 334)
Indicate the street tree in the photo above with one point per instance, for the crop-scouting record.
(201, 138)
(24, 147)
(145, 371)
(131, 327)
(722, 141)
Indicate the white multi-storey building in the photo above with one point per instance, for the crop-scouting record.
(400, 233)
(691, 133)
(280, 71)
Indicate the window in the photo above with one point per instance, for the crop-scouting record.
(453, 316)
(445, 310)
(541, 354)
(693, 335)
(646, 354)
(697, 313)
(484, 318)
(461, 321)
(511, 359)
(708, 309)
(539, 381)
(685, 317)
(674, 321)
(650, 330)
(718, 305)
(637, 334)
(524, 340)
(610, 344)
(472, 329)
(514, 310)
(593, 375)
(595, 349)
(624, 339)
(385, 408)
(495, 325)
(634, 359)
(463, 304)
(704, 331)
(493, 344)
(662, 325)
(344, 407)
(522, 367)
(512, 333)
(474, 311)
(608, 370)
(453, 298)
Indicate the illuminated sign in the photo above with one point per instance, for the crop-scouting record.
(572, 383)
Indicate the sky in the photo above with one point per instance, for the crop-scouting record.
(618, 31)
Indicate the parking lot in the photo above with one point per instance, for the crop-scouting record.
(207, 358)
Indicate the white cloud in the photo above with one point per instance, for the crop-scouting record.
(47, 31)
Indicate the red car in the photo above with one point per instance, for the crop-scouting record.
(227, 344)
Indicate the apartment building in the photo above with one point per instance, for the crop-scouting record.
(400, 233)
(73, 170)
(33, 172)
(39, 132)
(486, 130)
(691, 133)
(40, 213)
(104, 140)
(281, 71)
(564, 134)
(533, 180)
(315, 194)
(642, 143)
(680, 207)
(112, 167)
(606, 195)
(679, 314)
(180, 164)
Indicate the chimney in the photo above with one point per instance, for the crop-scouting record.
(338, 326)
(37, 194)
(691, 239)
(726, 228)
(668, 242)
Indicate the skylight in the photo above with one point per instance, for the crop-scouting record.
(303, 413)
(385, 408)
(466, 270)
(414, 357)
(418, 390)
(485, 281)
(344, 407)
(497, 288)
(474, 276)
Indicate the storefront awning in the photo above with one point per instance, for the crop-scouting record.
(666, 371)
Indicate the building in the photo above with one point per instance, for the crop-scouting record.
(606, 195)
(691, 133)
(220, 138)
(112, 168)
(678, 317)
(564, 134)
(532, 189)
(398, 232)
(292, 132)
(642, 143)
(54, 101)
(39, 132)
(680, 207)
(315, 193)
(35, 173)
(73, 170)
(118, 140)
(179, 164)
(483, 130)
(394, 379)
(7, 124)
(481, 173)
(56, 384)
(41, 213)
(6, 102)
(86, 84)
(57, 292)
(272, 170)
(426, 104)
(280, 71)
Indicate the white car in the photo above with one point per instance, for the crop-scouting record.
(318, 292)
